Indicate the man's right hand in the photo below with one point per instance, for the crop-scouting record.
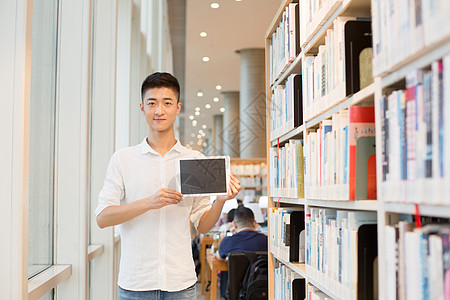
(164, 197)
(114, 215)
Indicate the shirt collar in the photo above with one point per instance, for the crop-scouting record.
(147, 149)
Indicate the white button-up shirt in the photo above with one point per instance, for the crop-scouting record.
(155, 246)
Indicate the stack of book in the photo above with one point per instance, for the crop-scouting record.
(343, 66)
(288, 284)
(339, 245)
(285, 44)
(287, 171)
(402, 28)
(415, 137)
(285, 230)
(313, 293)
(286, 108)
(418, 259)
(340, 157)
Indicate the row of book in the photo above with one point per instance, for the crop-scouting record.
(340, 157)
(313, 14)
(288, 284)
(286, 108)
(339, 245)
(285, 44)
(248, 169)
(418, 260)
(287, 171)
(343, 65)
(250, 181)
(405, 28)
(313, 293)
(287, 234)
(415, 137)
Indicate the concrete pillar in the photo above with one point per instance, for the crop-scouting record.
(231, 124)
(252, 103)
(217, 132)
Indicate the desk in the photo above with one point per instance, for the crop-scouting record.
(214, 265)
(204, 241)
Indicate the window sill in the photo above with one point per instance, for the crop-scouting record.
(47, 280)
(94, 251)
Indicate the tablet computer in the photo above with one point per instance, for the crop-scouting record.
(203, 176)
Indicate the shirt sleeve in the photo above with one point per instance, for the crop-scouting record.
(113, 190)
(200, 205)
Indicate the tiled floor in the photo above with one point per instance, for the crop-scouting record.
(203, 297)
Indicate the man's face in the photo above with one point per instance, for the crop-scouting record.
(160, 108)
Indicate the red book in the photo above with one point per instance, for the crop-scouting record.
(363, 183)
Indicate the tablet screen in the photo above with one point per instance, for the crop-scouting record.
(203, 176)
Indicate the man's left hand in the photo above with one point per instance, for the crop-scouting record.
(233, 189)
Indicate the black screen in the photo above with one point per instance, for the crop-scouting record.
(203, 176)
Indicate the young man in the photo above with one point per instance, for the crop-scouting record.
(139, 194)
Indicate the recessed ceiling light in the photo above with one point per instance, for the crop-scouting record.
(197, 108)
(208, 106)
(204, 126)
(194, 123)
(192, 134)
(203, 34)
(238, 0)
(191, 117)
(214, 5)
(203, 134)
(200, 94)
(216, 99)
(204, 144)
(197, 113)
(218, 87)
(205, 58)
(199, 136)
(222, 109)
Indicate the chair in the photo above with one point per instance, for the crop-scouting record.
(237, 266)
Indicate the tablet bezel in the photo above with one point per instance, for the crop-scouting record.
(227, 171)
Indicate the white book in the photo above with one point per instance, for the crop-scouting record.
(436, 269)
(390, 277)
(412, 266)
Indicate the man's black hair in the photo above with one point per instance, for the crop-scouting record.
(230, 216)
(159, 80)
(244, 216)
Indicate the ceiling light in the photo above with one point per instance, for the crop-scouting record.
(204, 144)
(205, 58)
(203, 134)
(199, 136)
(197, 108)
(216, 99)
(191, 117)
(222, 109)
(214, 5)
(194, 123)
(204, 126)
(203, 34)
(197, 113)
(208, 106)
(192, 134)
(200, 94)
(218, 87)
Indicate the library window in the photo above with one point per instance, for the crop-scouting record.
(42, 136)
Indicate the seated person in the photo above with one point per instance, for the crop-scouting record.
(246, 238)
(229, 226)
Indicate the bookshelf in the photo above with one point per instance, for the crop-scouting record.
(410, 97)
(252, 173)
(324, 107)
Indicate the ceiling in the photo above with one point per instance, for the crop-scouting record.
(233, 26)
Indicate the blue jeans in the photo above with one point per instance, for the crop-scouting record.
(187, 294)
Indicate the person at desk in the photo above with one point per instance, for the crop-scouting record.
(139, 194)
(246, 238)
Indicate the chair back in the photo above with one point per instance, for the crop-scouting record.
(238, 263)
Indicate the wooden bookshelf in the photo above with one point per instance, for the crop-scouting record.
(364, 97)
